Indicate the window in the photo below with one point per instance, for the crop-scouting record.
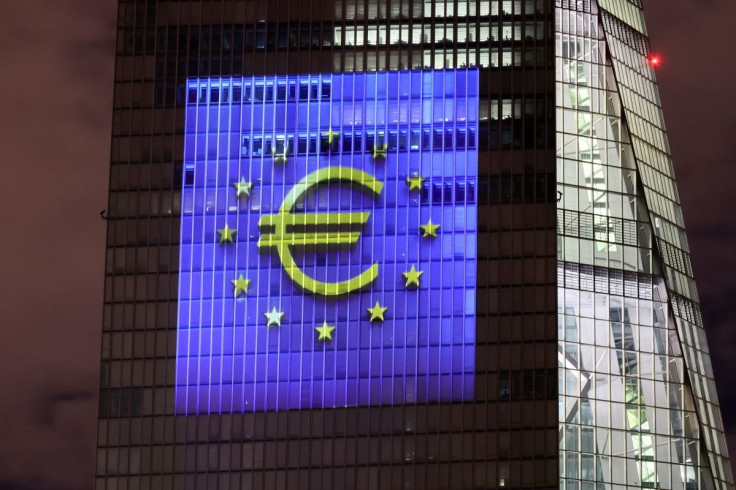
(416, 34)
(372, 36)
(338, 35)
(260, 38)
(283, 36)
(504, 386)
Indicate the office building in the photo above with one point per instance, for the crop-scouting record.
(377, 244)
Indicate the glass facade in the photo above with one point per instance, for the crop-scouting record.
(638, 405)
(372, 244)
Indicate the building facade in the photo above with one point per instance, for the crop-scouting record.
(397, 244)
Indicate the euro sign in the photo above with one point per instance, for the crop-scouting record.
(283, 230)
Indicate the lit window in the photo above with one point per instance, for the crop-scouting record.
(486, 35)
(484, 58)
(416, 34)
(372, 37)
(338, 36)
(428, 8)
(359, 36)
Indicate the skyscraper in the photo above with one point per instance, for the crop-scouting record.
(397, 244)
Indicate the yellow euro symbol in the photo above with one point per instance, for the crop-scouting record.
(284, 229)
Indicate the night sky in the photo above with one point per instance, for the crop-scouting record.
(55, 114)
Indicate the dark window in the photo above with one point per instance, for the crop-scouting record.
(249, 38)
(283, 40)
(305, 37)
(504, 387)
(271, 39)
(281, 92)
(260, 38)
(326, 89)
(303, 91)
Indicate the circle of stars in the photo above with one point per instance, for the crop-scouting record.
(377, 313)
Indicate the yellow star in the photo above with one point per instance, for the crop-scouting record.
(325, 331)
(227, 234)
(242, 188)
(241, 285)
(274, 317)
(412, 277)
(379, 152)
(332, 136)
(415, 182)
(280, 157)
(377, 311)
(430, 229)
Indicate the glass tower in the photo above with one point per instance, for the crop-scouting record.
(638, 404)
(375, 244)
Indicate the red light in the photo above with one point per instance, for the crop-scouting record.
(655, 60)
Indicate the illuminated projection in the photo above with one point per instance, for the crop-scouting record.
(328, 241)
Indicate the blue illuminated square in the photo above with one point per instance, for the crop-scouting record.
(313, 272)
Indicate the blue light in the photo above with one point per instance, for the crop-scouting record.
(270, 133)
